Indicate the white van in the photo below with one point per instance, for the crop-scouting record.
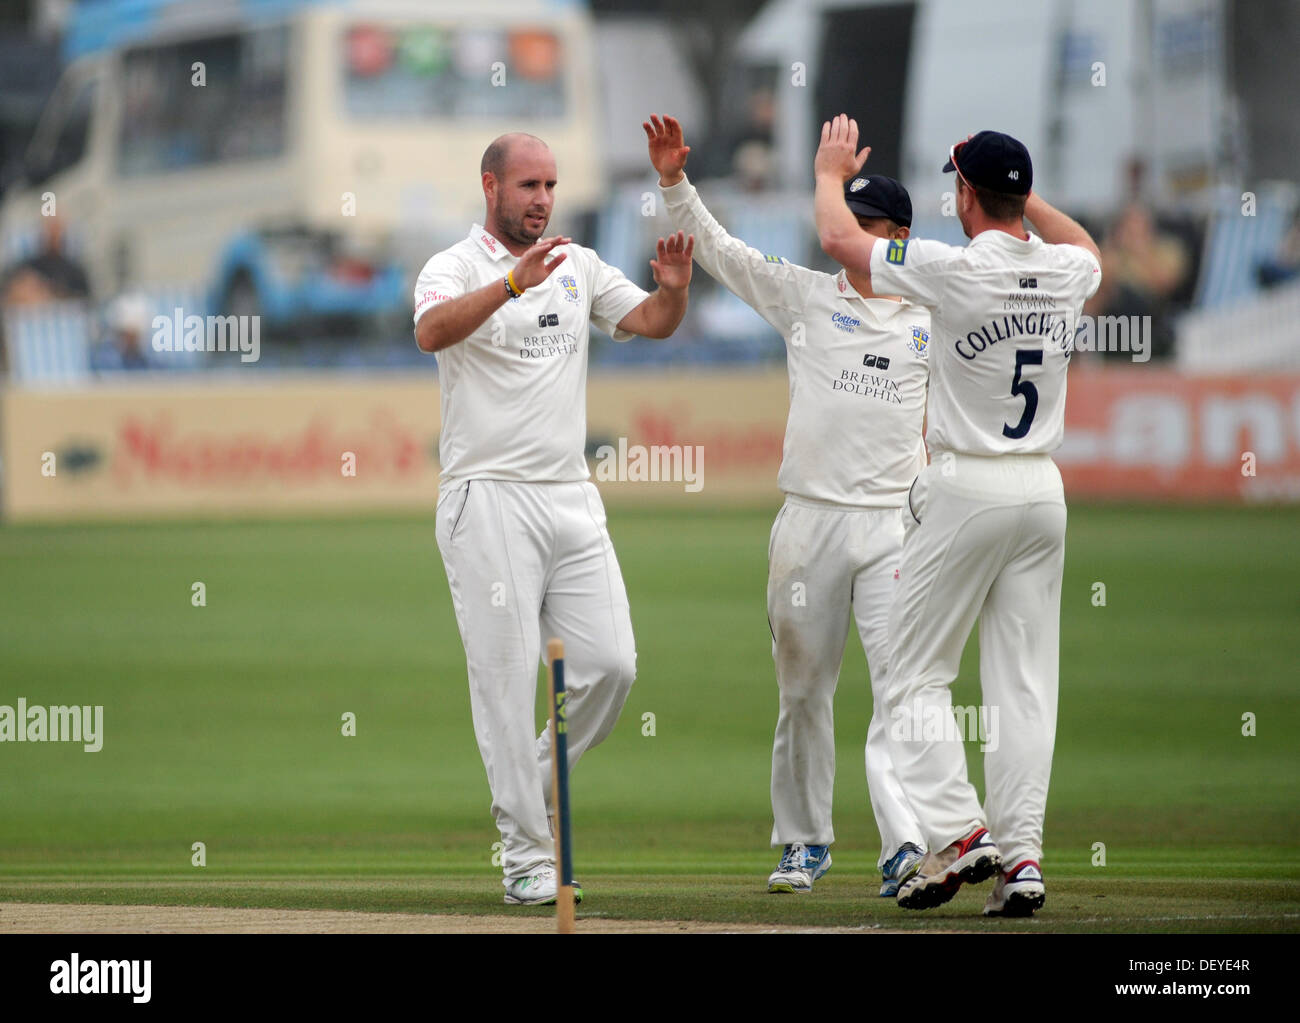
(278, 154)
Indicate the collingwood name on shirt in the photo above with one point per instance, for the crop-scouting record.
(1051, 329)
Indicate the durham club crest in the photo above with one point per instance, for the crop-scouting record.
(570, 286)
(920, 340)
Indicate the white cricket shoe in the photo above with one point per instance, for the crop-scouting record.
(969, 860)
(532, 890)
(1017, 892)
(800, 866)
(901, 868)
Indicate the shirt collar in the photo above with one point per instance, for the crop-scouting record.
(996, 237)
(844, 287)
(845, 290)
(487, 243)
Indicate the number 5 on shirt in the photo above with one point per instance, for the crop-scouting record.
(1032, 357)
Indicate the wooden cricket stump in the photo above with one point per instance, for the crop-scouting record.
(564, 918)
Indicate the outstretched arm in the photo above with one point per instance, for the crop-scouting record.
(768, 284)
(837, 229)
(660, 314)
(1057, 228)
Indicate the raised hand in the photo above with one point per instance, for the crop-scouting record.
(836, 154)
(533, 268)
(672, 265)
(668, 149)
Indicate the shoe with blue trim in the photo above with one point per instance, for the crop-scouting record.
(800, 866)
(901, 867)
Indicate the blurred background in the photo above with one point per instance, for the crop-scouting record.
(295, 163)
(288, 168)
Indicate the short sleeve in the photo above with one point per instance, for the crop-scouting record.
(444, 277)
(613, 296)
(1089, 268)
(915, 268)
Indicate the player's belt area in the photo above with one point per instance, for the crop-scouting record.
(999, 479)
(1038, 458)
(812, 502)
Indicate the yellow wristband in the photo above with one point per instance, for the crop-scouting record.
(510, 279)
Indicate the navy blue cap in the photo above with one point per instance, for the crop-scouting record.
(874, 195)
(994, 161)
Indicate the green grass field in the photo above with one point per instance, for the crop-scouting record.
(222, 725)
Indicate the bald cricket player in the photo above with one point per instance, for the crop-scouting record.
(520, 527)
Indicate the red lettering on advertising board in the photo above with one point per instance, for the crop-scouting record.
(152, 449)
(730, 447)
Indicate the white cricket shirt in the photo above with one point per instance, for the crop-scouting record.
(1005, 314)
(514, 393)
(857, 366)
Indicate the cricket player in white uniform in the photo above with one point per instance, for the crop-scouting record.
(987, 533)
(520, 527)
(858, 372)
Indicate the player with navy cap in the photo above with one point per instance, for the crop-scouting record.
(986, 531)
(858, 371)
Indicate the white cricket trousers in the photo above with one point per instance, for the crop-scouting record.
(527, 562)
(826, 564)
(985, 539)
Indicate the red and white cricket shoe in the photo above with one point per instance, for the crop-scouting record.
(1018, 892)
(969, 860)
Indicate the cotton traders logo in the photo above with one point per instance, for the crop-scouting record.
(570, 286)
(845, 322)
(897, 251)
(919, 342)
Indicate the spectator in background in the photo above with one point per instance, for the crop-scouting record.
(752, 166)
(123, 347)
(49, 276)
(1144, 270)
(751, 161)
